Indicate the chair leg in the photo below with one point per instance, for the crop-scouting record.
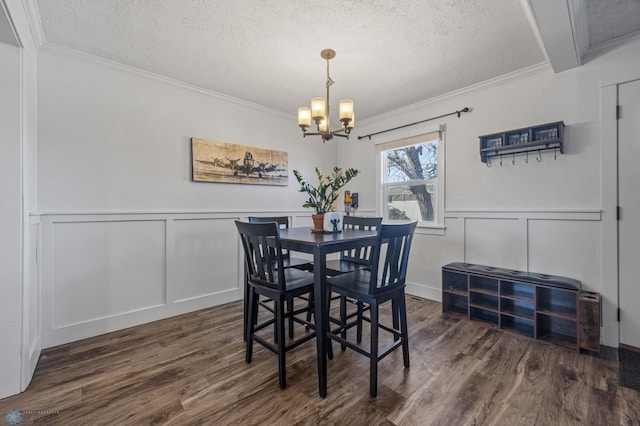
(245, 310)
(404, 329)
(327, 324)
(310, 308)
(395, 314)
(252, 311)
(290, 309)
(359, 325)
(373, 357)
(282, 366)
(343, 320)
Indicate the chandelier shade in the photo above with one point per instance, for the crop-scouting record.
(320, 111)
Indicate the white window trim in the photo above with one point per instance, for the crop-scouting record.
(436, 228)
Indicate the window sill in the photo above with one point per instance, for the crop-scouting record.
(430, 229)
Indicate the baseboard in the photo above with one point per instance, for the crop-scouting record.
(430, 293)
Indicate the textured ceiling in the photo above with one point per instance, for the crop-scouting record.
(389, 54)
(611, 19)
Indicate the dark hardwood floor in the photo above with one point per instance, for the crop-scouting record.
(191, 370)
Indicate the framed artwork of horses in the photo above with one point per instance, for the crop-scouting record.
(213, 161)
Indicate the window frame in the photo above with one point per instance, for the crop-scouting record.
(395, 142)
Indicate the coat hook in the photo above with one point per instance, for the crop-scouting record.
(488, 161)
(513, 161)
(501, 161)
(526, 159)
(539, 157)
(554, 153)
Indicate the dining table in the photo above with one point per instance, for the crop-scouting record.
(320, 244)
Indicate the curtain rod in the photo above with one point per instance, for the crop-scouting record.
(465, 109)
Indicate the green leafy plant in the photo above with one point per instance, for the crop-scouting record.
(322, 196)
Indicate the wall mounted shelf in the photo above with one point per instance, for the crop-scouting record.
(529, 139)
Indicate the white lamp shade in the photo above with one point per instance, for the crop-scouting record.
(322, 126)
(351, 123)
(346, 109)
(318, 108)
(304, 116)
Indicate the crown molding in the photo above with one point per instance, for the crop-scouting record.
(601, 48)
(56, 49)
(532, 70)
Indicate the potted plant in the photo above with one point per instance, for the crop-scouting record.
(322, 196)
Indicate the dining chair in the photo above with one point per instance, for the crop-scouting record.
(288, 262)
(283, 223)
(353, 260)
(266, 276)
(384, 282)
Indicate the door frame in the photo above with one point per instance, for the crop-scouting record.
(609, 202)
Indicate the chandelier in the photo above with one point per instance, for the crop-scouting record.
(319, 111)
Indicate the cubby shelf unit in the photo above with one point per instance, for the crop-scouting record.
(538, 306)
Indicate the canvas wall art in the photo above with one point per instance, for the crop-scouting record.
(214, 161)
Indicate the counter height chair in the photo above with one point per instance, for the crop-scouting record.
(353, 260)
(287, 260)
(266, 276)
(384, 282)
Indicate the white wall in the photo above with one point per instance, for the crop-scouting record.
(542, 217)
(127, 237)
(114, 140)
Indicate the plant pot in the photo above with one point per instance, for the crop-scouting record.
(318, 221)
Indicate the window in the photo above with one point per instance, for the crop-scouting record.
(410, 169)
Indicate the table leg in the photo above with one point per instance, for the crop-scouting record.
(319, 277)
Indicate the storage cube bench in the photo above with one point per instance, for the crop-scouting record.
(549, 308)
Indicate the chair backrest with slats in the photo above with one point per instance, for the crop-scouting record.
(391, 271)
(262, 253)
(282, 221)
(361, 255)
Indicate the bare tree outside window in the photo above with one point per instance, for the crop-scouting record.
(411, 177)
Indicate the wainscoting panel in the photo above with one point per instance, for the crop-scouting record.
(106, 268)
(428, 253)
(571, 249)
(101, 275)
(496, 242)
(205, 264)
(105, 272)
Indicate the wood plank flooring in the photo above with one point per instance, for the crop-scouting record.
(191, 370)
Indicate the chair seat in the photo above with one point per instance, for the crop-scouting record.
(296, 279)
(355, 284)
(298, 263)
(338, 267)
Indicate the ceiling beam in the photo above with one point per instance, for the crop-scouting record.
(562, 27)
